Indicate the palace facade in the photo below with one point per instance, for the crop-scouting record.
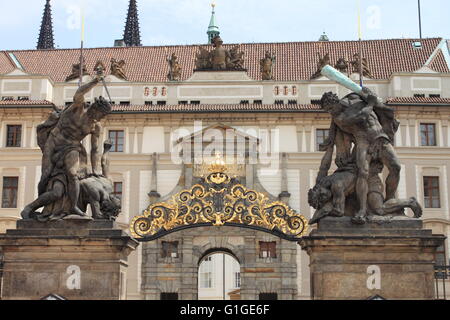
(153, 111)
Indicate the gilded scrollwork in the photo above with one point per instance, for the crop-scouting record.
(219, 200)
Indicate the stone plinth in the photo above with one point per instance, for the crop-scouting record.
(75, 259)
(393, 260)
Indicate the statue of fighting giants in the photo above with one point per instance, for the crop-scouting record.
(362, 133)
(64, 161)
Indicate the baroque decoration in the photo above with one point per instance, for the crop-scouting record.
(219, 200)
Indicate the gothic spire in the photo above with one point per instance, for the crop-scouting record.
(46, 35)
(132, 35)
(213, 29)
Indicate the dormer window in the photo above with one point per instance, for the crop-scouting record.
(417, 45)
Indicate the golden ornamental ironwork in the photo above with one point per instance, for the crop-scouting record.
(219, 200)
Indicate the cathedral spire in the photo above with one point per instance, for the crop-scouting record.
(213, 29)
(45, 40)
(132, 35)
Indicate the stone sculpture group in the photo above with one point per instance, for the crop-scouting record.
(68, 185)
(362, 132)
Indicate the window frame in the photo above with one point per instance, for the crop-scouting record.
(316, 131)
(266, 246)
(19, 141)
(427, 134)
(115, 148)
(430, 188)
(15, 203)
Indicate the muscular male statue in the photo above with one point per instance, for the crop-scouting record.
(64, 156)
(358, 116)
(219, 56)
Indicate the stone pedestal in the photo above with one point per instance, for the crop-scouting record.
(390, 260)
(75, 259)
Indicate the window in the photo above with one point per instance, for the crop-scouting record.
(419, 95)
(117, 138)
(117, 189)
(206, 273)
(169, 296)
(23, 98)
(276, 90)
(161, 103)
(124, 103)
(316, 101)
(292, 102)
(257, 101)
(321, 136)
(9, 195)
(435, 95)
(13, 136)
(268, 296)
(237, 280)
(182, 102)
(279, 101)
(267, 249)
(169, 249)
(195, 102)
(440, 256)
(148, 103)
(245, 102)
(431, 192)
(7, 98)
(428, 134)
(285, 90)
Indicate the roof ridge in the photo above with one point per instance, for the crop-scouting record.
(227, 44)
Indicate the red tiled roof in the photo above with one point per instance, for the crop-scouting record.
(201, 108)
(295, 60)
(6, 65)
(26, 103)
(414, 100)
(438, 61)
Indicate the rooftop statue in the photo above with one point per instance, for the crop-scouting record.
(357, 64)
(76, 71)
(323, 61)
(362, 133)
(65, 172)
(174, 68)
(219, 59)
(117, 69)
(266, 64)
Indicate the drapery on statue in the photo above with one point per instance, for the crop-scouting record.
(174, 68)
(219, 59)
(323, 61)
(117, 69)
(76, 71)
(362, 133)
(266, 64)
(64, 161)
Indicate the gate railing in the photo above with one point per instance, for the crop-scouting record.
(442, 282)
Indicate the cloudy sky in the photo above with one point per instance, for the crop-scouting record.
(171, 22)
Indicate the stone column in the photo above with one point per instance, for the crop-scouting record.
(393, 260)
(74, 259)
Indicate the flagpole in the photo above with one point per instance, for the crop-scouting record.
(420, 19)
(80, 83)
(361, 76)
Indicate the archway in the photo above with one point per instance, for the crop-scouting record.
(219, 276)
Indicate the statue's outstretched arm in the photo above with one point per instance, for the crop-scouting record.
(78, 99)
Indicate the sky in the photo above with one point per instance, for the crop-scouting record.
(179, 22)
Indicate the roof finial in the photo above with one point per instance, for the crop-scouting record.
(45, 40)
(132, 35)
